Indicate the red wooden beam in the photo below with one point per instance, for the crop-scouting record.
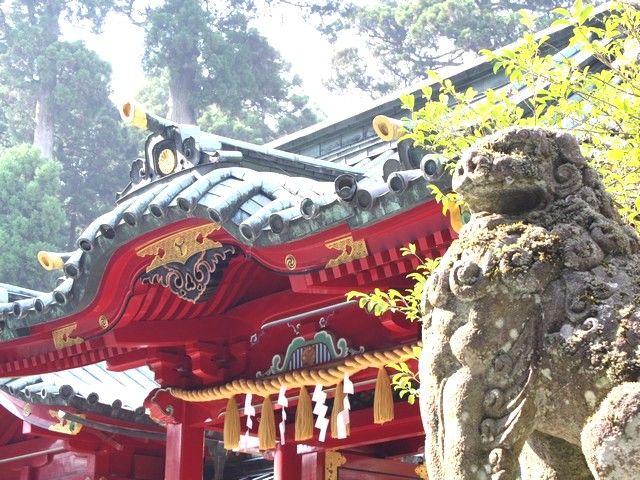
(380, 466)
(406, 424)
(30, 448)
(394, 449)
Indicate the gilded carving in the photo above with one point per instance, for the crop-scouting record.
(62, 337)
(180, 246)
(349, 249)
(332, 461)
(68, 427)
(305, 353)
(196, 278)
(103, 321)
(27, 409)
(421, 471)
(290, 262)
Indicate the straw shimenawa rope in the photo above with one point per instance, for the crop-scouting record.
(232, 425)
(298, 378)
(267, 427)
(304, 416)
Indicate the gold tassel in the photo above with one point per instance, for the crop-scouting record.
(304, 416)
(382, 399)
(338, 406)
(232, 425)
(267, 427)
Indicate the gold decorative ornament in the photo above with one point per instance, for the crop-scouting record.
(332, 461)
(50, 260)
(68, 427)
(180, 246)
(421, 471)
(62, 336)
(167, 161)
(290, 262)
(388, 129)
(27, 409)
(134, 114)
(103, 321)
(349, 249)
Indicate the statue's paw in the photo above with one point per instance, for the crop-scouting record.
(611, 439)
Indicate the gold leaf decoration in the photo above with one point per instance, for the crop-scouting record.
(68, 427)
(180, 246)
(290, 262)
(349, 249)
(103, 321)
(421, 471)
(332, 461)
(62, 337)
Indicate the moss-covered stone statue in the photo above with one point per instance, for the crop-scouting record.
(531, 322)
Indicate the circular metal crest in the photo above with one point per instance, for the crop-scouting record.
(167, 161)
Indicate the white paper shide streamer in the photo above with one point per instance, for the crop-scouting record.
(343, 416)
(320, 409)
(250, 412)
(284, 403)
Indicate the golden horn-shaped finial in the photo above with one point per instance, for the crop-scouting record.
(134, 114)
(51, 260)
(388, 129)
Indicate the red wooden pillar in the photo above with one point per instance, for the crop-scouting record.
(287, 464)
(184, 456)
(312, 466)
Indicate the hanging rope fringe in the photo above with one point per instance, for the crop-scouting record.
(267, 427)
(298, 378)
(232, 425)
(382, 398)
(304, 416)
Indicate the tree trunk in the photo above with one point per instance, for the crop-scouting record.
(44, 129)
(43, 134)
(181, 88)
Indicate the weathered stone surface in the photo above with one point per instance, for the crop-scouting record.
(531, 322)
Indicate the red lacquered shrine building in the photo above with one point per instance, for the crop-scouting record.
(214, 295)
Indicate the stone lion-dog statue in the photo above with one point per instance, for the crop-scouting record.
(531, 327)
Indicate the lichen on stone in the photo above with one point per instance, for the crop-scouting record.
(533, 312)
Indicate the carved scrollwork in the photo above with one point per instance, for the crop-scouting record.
(437, 291)
(568, 180)
(580, 252)
(467, 281)
(195, 279)
(302, 353)
(610, 237)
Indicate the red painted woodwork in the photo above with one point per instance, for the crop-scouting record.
(360, 467)
(287, 463)
(312, 466)
(123, 300)
(185, 448)
(34, 453)
(222, 339)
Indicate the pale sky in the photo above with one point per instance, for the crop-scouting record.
(121, 44)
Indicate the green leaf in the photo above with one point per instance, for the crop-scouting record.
(408, 101)
(615, 155)
(585, 14)
(562, 12)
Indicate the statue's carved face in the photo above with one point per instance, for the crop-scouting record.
(506, 173)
